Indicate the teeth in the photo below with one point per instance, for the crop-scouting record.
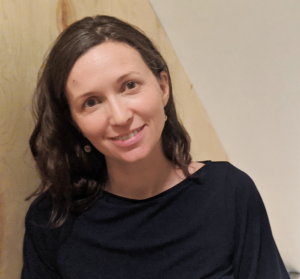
(132, 134)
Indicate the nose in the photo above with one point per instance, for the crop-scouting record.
(119, 112)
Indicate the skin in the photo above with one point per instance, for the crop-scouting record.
(112, 93)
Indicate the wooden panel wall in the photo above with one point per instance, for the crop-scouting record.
(27, 29)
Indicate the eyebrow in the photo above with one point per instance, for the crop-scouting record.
(126, 75)
(119, 79)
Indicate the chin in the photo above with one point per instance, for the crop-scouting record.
(133, 156)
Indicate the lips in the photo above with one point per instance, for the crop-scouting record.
(128, 136)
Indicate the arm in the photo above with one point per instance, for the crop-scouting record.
(256, 255)
(40, 243)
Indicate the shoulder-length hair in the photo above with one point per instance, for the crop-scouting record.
(75, 179)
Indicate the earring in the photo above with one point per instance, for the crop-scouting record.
(87, 148)
(166, 118)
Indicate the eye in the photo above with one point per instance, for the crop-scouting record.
(90, 103)
(131, 85)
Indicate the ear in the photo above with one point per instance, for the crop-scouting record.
(164, 86)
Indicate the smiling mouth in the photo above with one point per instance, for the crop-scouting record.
(130, 135)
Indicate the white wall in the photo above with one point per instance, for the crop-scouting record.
(243, 58)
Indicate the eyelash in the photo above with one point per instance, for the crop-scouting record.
(131, 82)
(97, 102)
(85, 104)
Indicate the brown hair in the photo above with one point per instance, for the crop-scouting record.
(74, 178)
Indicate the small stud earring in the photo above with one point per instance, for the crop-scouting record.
(87, 148)
(166, 118)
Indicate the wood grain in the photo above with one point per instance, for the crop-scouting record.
(65, 14)
(1, 228)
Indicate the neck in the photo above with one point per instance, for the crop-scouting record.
(142, 179)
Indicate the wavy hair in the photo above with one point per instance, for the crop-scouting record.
(73, 178)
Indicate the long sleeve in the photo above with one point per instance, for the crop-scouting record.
(40, 244)
(256, 255)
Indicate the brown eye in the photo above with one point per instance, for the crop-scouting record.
(131, 85)
(90, 103)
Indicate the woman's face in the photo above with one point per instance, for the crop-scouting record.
(117, 102)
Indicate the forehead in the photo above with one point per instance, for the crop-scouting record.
(108, 56)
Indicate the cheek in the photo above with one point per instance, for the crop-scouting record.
(154, 113)
(152, 105)
(90, 126)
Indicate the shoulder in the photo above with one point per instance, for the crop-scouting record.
(37, 229)
(232, 179)
(41, 242)
(239, 193)
(40, 210)
(229, 170)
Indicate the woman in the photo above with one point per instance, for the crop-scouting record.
(119, 194)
